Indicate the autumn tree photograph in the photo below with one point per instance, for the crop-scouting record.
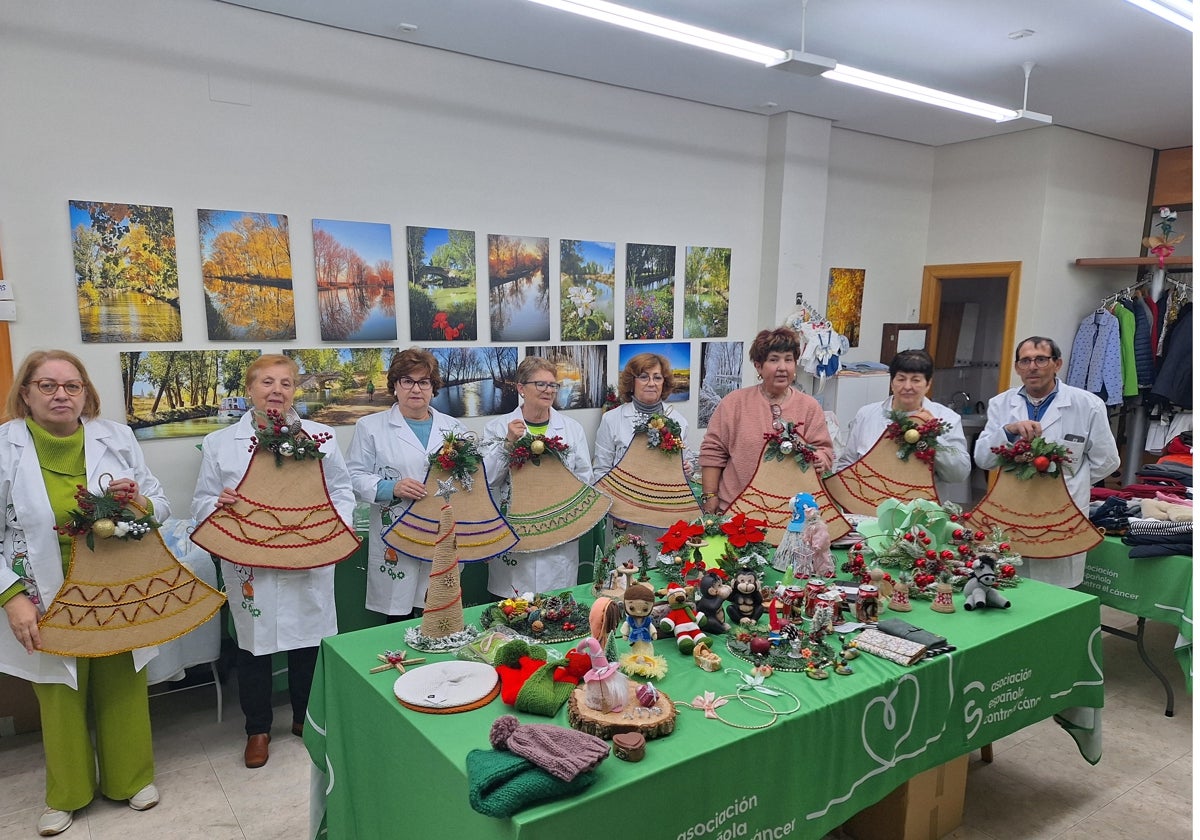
(706, 292)
(518, 287)
(126, 273)
(246, 263)
(356, 299)
(442, 297)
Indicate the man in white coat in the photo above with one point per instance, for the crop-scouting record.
(1044, 406)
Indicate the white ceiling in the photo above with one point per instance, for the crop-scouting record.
(1103, 66)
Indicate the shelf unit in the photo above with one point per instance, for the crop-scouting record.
(1132, 262)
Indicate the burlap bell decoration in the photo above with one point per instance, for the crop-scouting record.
(769, 494)
(283, 518)
(126, 594)
(443, 614)
(480, 530)
(648, 487)
(1038, 516)
(550, 506)
(880, 475)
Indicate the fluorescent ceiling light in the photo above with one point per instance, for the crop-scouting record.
(1178, 12)
(907, 90)
(667, 28)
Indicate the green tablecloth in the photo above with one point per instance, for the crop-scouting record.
(1158, 588)
(381, 770)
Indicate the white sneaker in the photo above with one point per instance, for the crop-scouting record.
(144, 799)
(52, 821)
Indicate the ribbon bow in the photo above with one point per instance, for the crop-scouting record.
(709, 702)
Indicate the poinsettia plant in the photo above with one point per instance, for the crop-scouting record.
(786, 443)
(105, 515)
(610, 399)
(662, 433)
(530, 448)
(1028, 458)
(915, 437)
(286, 438)
(459, 456)
(678, 535)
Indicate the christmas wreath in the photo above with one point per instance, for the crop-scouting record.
(105, 516)
(1028, 458)
(786, 443)
(662, 433)
(915, 437)
(458, 456)
(287, 439)
(530, 449)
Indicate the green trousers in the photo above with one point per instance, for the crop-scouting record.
(116, 695)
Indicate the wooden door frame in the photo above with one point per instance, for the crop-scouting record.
(931, 302)
(6, 359)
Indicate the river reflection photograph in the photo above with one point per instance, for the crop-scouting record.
(476, 381)
(518, 290)
(355, 294)
(678, 354)
(442, 299)
(246, 263)
(184, 393)
(582, 373)
(126, 273)
(649, 291)
(706, 292)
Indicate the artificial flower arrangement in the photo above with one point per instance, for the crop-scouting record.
(610, 399)
(458, 456)
(786, 443)
(1028, 458)
(746, 544)
(1162, 244)
(286, 439)
(915, 437)
(662, 433)
(926, 540)
(105, 516)
(530, 449)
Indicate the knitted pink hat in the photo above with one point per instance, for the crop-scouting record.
(562, 752)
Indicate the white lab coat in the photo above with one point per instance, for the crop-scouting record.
(295, 609)
(612, 440)
(953, 462)
(551, 568)
(1077, 420)
(385, 448)
(27, 526)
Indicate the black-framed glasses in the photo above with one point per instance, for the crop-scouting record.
(646, 378)
(542, 386)
(50, 387)
(408, 383)
(1034, 361)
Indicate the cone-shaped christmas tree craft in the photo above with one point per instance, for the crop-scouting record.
(1030, 502)
(549, 505)
(480, 530)
(785, 469)
(647, 486)
(124, 592)
(283, 518)
(880, 475)
(443, 602)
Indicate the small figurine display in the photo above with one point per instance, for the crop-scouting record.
(804, 549)
(746, 601)
(980, 589)
(545, 617)
(606, 689)
(785, 606)
(640, 631)
(682, 620)
(714, 591)
(866, 608)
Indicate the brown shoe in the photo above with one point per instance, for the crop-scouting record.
(256, 750)
(298, 730)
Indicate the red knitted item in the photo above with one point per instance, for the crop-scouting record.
(577, 665)
(512, 678)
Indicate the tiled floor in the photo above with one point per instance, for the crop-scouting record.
(1037, 787)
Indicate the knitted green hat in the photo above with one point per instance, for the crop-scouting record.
(501, 783)
(542, 694)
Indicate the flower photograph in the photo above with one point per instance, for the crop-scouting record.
(246, 263)
(355, 294)
(649, 291)
(126, 274)
(587, 272)
(441, 284)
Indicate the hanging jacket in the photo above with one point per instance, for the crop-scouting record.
(1128, 365)
(1096, 357)
(1143, 353)
(1174, 382)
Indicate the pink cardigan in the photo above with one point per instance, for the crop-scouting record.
(734, 440)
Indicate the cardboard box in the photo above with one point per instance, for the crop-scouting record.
(926, 807)
(18, 707)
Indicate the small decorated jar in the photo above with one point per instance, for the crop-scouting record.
(812, 592)
(866, 609)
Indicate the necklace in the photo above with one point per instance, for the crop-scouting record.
(776, 408)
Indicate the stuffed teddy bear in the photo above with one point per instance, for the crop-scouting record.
(980, 589)
(681, 619)
(745, 602)
(713, 592)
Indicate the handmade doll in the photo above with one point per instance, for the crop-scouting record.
(606, 689)
(681, 619)
(980, 589)
(639, 629)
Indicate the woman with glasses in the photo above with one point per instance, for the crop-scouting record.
(733, 444)
(551, 568)
(55, 442)
(388, 459)
(281, 610)
(645, 384)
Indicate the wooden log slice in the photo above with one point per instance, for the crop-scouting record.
(650, 722)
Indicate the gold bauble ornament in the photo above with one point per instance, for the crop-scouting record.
(537, 447)
(912, 436)
(104, 528)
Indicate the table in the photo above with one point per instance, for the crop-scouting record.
(1158, 588)
(380, 769)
